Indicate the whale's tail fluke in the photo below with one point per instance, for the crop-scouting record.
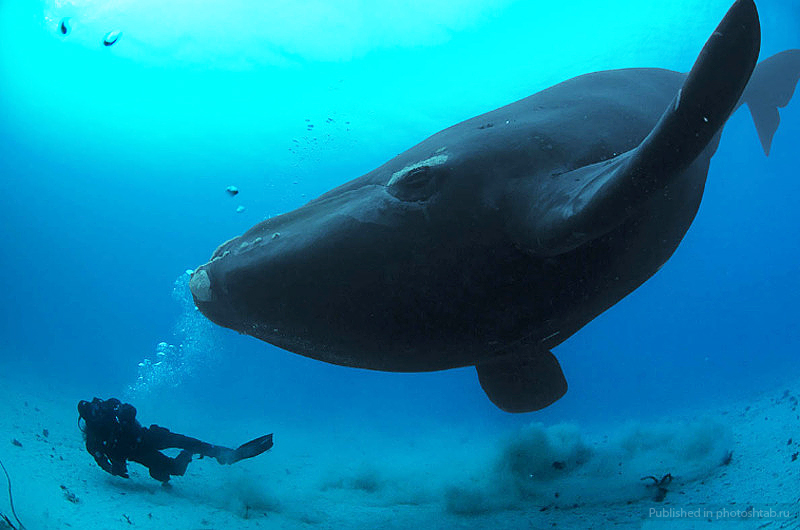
(771, 87)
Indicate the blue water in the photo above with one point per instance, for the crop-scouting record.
(114, 163)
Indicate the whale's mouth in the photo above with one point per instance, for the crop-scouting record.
(200, 286)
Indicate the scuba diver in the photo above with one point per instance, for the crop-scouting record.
(113, 436)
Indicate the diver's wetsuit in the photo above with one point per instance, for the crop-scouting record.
(113, 436)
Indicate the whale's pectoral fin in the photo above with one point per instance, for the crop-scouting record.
(523, 382)
(581, 205)
(771, 87)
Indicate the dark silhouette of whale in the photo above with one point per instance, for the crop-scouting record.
(494, 240)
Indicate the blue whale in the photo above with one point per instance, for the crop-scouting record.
(493, 241)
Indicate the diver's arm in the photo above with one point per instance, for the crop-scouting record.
(119, 467)
(116, 466)
(100, 457)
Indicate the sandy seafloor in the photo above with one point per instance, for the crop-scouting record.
(340, 476)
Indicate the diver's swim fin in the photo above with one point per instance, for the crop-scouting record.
(246, 450)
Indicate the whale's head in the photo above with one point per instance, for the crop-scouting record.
(368, 273)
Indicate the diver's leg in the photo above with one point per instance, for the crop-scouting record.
(161, 438)
(162, 466)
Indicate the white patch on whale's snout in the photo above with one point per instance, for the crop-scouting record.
(200, 285)
(432, 161)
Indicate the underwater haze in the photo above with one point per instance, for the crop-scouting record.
(114, 164)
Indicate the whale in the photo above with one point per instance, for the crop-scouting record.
(493, 241)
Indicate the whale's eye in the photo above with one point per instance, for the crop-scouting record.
(416, 185)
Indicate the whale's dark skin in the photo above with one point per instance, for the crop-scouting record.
(494, 240)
